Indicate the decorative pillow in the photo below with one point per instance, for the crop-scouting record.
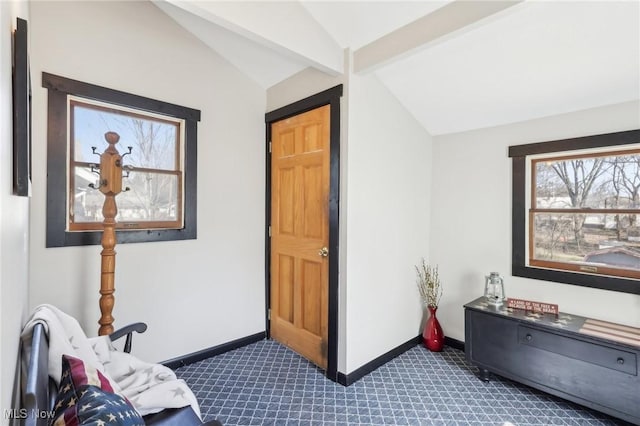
(86, 397)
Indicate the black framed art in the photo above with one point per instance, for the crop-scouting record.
(21, 111)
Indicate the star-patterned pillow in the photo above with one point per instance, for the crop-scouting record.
(86, 397)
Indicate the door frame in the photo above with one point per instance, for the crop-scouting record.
(328, 97)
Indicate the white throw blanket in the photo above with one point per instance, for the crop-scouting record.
(150, 387)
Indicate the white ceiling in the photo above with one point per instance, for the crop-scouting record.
(354, 24)
(530, 60)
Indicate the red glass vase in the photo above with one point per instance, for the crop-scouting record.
(433, 337)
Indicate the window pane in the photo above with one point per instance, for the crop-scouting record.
(591, 239)
(87, 202)
(153, 197)
(153, 141)
(606, 182)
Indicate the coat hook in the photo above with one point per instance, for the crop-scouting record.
(127, 153)
(101, 183)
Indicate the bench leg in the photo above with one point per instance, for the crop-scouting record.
(483, 374)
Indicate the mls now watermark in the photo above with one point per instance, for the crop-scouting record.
(23, 413)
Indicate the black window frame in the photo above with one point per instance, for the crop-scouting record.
(519, 154)
(57, 234)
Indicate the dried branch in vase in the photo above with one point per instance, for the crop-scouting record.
(428, 282)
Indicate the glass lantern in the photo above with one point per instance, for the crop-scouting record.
(494, 288)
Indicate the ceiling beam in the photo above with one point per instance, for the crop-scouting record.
(285, 27)
(443, 22)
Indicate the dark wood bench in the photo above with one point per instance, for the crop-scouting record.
(40, 390)
(553, 353)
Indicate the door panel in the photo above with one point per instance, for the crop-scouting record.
(286, 213)
(299, 231)
(286, 287)
(312, 202)
(311, 293)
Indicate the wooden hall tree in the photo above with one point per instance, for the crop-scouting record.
(110, 184)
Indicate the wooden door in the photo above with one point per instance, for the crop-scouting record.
(300, 233)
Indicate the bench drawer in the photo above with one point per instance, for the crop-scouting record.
(604, 356)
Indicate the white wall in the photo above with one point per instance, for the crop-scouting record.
(471, 216)
(14, 223)
(193, 294)
(301, 85)
(389, 185)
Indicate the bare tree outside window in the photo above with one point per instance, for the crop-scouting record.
(584, 213)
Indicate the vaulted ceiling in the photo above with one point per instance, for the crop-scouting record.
(454, 65)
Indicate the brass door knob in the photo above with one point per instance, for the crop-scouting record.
(324, 252)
